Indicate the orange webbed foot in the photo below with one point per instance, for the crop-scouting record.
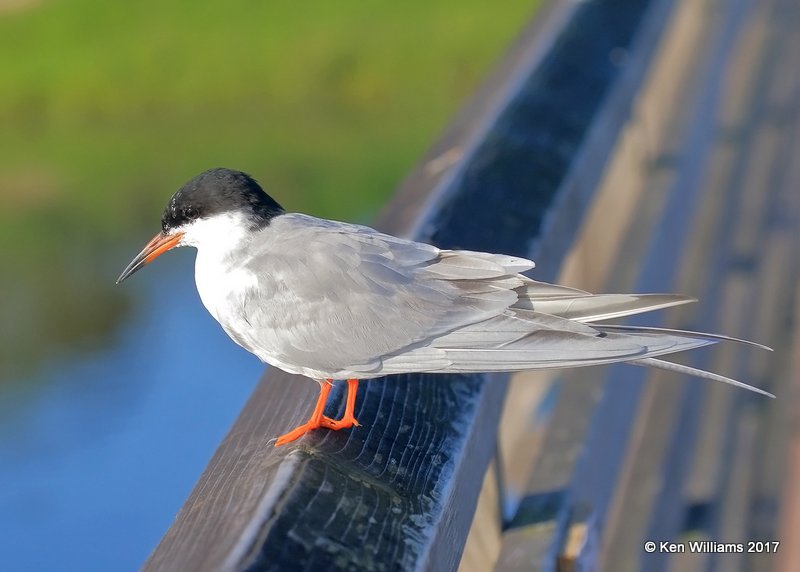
(319, 420)
(314, 422)
(297, 432)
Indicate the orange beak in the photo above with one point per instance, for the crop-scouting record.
(152, 250)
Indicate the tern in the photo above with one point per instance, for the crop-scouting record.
(331, 300)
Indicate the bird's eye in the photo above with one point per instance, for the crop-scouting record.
(190, 213)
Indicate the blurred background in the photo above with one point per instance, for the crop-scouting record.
(112, 399)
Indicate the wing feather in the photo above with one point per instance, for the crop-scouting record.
(596, 307)
(334, 299)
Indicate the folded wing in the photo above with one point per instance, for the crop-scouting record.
(346, 299)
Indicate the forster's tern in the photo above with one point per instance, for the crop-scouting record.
(331, 300)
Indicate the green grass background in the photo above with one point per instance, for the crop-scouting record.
(107, 107)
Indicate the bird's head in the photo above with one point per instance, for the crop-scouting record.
(212, 208)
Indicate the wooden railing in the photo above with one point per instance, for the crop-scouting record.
(598, 148)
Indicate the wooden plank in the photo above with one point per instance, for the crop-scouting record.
(484, 541)
(674, 418)
(789, 523)
(722, 413)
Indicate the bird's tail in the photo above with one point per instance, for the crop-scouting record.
(525, 339)
(701, 373)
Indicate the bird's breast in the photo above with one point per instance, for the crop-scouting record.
(220, 283)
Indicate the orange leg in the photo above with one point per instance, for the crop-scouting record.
(314, 421)
(348, 419)
(317, 418)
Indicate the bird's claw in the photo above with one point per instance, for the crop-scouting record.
(327, 422)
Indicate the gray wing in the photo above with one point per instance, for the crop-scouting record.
(348, 298)
(341, 296)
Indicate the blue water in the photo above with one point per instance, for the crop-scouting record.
(99, 453)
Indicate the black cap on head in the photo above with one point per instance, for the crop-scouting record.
(217, 191)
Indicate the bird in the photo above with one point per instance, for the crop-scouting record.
(332, 300)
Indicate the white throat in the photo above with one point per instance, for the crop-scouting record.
(220, 236)
(222, 245)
